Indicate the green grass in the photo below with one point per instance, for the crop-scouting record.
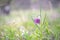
(44, 31)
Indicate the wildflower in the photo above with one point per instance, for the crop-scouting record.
(37, 21)
(7, 9)
(22, 29)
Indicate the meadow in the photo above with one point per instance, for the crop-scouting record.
(29, 25)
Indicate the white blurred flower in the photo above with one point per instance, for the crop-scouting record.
(7, 8)
(22, 29)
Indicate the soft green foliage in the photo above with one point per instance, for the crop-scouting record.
(43, 31)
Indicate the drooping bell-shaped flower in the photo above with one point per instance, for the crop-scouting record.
(37, 20)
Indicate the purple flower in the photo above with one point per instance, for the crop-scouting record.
(37, 21)
(7, 9)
